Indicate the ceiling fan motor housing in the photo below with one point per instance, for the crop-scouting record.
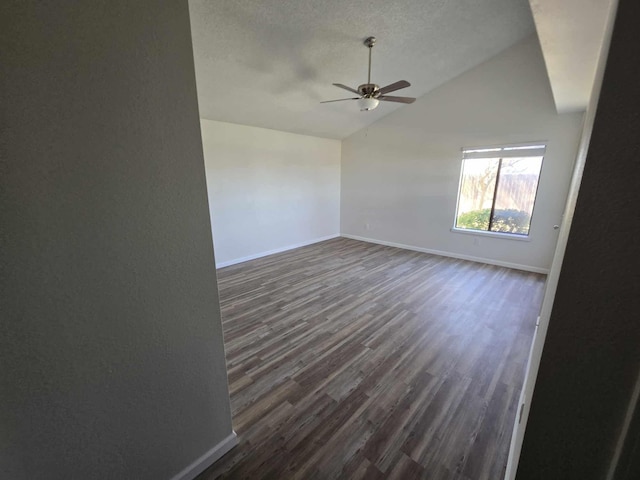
(369, 90)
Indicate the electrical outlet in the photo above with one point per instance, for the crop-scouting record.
(476, 241)
(367, 226)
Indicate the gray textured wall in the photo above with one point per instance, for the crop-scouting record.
(111, 354)
(591, 357)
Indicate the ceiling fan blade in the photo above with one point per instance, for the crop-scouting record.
(394, 86)
(339, 85)
(341, 100)
(397, 99)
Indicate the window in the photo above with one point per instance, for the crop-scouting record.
(498, 188)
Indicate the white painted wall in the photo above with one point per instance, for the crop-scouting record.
(269, 190)
(111, 355)
(400, 176)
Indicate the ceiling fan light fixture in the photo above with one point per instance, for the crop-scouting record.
(368, 103)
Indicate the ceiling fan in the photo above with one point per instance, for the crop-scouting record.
(369, 93)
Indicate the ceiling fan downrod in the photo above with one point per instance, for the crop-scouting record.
(370, 42)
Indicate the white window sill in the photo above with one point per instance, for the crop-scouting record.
(506, 236)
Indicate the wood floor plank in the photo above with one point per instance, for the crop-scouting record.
(349, 360)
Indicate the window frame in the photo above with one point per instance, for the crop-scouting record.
(493, 152)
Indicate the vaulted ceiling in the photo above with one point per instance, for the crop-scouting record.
(269, 63)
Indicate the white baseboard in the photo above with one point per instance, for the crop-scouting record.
(202, 463)
(277, 250)
(499, 263)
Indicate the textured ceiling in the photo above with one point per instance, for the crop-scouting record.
(268, 63)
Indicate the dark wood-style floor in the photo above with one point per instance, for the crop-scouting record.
(353, 360)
